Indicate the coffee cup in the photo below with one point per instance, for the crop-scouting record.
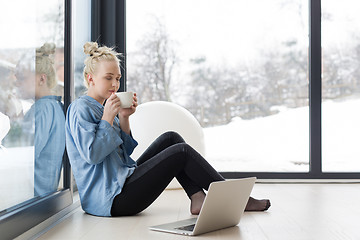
(126, 99)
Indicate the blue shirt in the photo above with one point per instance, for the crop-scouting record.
(99, 155)
(44, 123)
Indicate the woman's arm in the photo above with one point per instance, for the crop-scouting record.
(92, 140)
(124, 124)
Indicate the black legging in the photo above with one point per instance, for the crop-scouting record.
(167, 157)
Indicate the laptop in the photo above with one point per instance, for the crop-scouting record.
(223, 207)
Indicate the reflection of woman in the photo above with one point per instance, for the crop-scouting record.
(47, 112)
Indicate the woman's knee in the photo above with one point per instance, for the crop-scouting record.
(174, 136)
(184, 149)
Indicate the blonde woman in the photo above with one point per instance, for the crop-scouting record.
(99, 145)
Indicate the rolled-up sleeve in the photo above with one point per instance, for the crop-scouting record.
(93, 141)
(129, 142)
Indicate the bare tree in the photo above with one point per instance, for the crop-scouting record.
(53, 22)
(151, 68)
(216, 92)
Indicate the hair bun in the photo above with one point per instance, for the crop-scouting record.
(46, 50)
(91, 48)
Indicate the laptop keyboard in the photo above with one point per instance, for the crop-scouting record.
(189, 228)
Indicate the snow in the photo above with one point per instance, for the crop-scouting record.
(16, 175)
(280, 143)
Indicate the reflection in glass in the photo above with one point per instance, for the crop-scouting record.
(17, 151)
(30, 118)
(44, 122)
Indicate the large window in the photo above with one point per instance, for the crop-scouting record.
(341, 85)
(254, 74)
(34, 87)
(31, 106)
(240, 67)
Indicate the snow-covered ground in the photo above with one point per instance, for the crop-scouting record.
(280, 143)
(16, 175)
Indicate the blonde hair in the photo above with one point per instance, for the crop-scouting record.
(40, 63)
(96, 55)
(45, 63)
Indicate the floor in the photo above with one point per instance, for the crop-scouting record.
(298, 212)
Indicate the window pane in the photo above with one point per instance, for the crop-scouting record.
(81, 35)
(340, 85)
(32, 120)
(240, 67)
(82, 21)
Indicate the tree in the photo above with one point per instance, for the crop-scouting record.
(52, 23)
(215, 92)
(151, 68)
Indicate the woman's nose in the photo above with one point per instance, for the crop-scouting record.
(115, 83)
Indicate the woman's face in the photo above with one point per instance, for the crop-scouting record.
(105, 81)
(25, 83)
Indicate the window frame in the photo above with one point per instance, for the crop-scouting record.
(28, 214)
(108, 27)
(315, 101)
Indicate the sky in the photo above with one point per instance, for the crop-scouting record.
(237, 30)
(21, 25)
(230, 31)
(17, 24)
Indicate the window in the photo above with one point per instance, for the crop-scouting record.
(32, 71)
(341, 85)
(82, 34)
(240, 69)
(33, 57)
(251, 73)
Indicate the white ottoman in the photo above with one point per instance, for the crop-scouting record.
(152, 119)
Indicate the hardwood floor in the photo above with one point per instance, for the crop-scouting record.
(298, 212)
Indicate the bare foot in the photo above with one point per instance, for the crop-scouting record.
(197, 200)
(257, 205)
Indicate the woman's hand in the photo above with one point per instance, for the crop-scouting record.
(126, 112)
(111, 108)
(124, 115)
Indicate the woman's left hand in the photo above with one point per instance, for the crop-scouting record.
(126, 112)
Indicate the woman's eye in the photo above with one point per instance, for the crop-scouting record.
(109, 78)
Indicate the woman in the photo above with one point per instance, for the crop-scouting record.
(43, 124)
(99, 145)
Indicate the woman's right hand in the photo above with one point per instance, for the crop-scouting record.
(111, 109)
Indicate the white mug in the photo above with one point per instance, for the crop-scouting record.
(126, 99)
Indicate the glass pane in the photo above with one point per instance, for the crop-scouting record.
(340, 85)
(240, 67)
(32, 137)
(82, 34)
